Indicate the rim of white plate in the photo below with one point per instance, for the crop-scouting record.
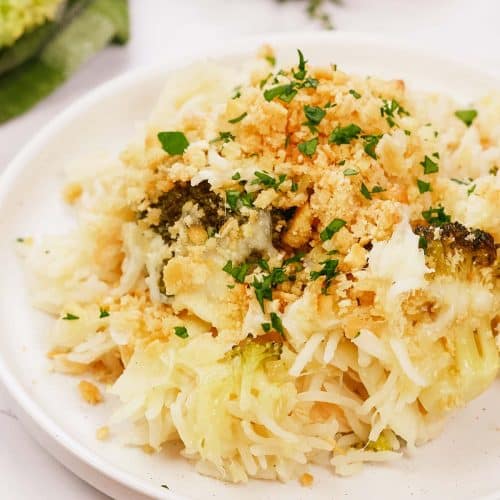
(16, 166)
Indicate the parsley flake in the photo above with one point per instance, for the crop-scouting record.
(314, 114)
(269, 181)
(284, 92)
(181, 332)
(308, 148)
(103, 313)
(332, 228)
(224, 137)
(70, 317)
(237, 272)
(276, 323)
(430, 167)
(173, 143)
(344, 135)
(390, 109)
(355, 94)
(238, 118)
(329, 271)
(422, 243)
(266, 327)
(236, 176)
(436, 216)
(271, 60)
(350, 171)
(301, 73)
(471, 189)
(466, 115)
(423, 187)
(365, 191)
(371, 142)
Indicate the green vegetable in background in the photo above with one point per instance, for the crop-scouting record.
(18, 17)
(315, 9)
(85, 28)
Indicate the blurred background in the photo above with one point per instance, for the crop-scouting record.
(164, 29)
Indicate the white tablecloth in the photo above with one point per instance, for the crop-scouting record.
(162, 28)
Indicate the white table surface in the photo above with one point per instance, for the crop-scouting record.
(464, 29)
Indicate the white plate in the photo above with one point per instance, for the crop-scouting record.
(463, 463)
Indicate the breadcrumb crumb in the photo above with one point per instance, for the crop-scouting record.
(102, 433)
(89, 392)
(306, 479)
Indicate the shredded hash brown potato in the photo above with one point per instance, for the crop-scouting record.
(287, 267)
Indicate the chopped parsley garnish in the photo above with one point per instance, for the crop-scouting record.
(268, 180)
(224, 137)
(237, 92)
(181, 332)
(103, 313)
(390, 109)
(329, 271)
(263, 264)
(314, 114)
(422, 243)
(263, 82)
(263, 286)
(271, 60)
(238, 118)
(236, 176)
(284, 92)
(237, 272)
(332, 228)
(355, 94)
(436, 155)
(436, 216)
(350, 171)
(423, 186)
(430, 167)
(70, 317)
(308, 83)
(165, 486)
(295, 187)
(276, 323)
(301, 73)
(493, 170)
(294, 259)
(173, 143)
(308, 148)
(466, 115)
(344, 135)
(371, 142)
(266, 327)
(365, 191)
(458, 181)
(20, 240)
(407, 132)
(232, 198)
(471, 189)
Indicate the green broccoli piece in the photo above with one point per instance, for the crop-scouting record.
(468, 256)
(249, 362)
(19, 17)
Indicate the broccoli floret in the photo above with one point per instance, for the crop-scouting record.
(249, 360)
(454, 249)
(18, 17)
(384, 442)
(465, 256)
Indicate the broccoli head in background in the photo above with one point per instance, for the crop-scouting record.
(18, 17)
(464, 262)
